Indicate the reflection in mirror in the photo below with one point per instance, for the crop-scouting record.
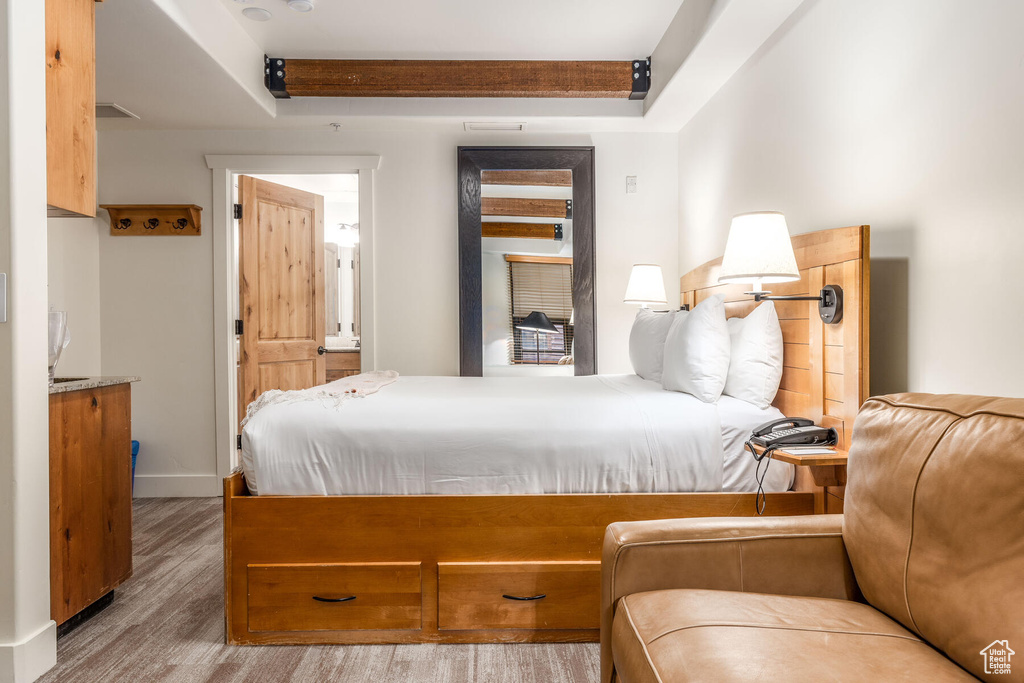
(527, 272)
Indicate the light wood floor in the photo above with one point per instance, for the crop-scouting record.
(167, 624)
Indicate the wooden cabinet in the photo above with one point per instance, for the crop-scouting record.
(71, 107)
(342, 364)
(90, 496)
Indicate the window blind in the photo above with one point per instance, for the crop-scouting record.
(544, 287)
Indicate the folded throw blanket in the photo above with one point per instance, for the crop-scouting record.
(336, 392)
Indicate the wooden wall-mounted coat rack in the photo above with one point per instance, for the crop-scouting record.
(154, 219)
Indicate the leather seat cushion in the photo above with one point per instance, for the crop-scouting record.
(701, 635)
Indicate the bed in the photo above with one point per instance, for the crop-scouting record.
(381, 522)
(556, 435)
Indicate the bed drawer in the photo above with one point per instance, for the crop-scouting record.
(482, 595)
(316, 597)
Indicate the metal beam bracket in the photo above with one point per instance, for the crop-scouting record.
(641, 78)
(558, 232)
(568, 209)
(273, 77)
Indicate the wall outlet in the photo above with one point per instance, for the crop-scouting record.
(3, 297)
(631, 184)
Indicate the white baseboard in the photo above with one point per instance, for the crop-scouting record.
(177, 486)
(25, 661)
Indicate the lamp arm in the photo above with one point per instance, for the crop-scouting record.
(830, 302)
(760, 296)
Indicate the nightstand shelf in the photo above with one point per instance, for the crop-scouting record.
(837, 457)
(824, 470)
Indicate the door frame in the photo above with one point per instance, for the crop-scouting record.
(225, 272)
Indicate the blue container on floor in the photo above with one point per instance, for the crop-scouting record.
(135, 456)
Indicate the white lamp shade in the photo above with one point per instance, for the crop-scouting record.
(759, 250)
(646, 285)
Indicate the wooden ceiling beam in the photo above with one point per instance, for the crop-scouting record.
(534, 208)
(529, 231)
(451, 78)
(532, 178)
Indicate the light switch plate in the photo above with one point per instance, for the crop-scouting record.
(631, 184)
(3, 297)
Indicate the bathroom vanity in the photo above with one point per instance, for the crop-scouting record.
(90, 492)
(342, 363)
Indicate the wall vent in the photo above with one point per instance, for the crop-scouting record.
(503, 126)
(109, 110)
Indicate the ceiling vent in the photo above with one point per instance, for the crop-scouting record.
(113, 111)
(500, 126)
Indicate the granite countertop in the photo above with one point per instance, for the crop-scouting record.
(80, 383)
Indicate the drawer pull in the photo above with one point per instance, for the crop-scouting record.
(525, 597)
(319, 599)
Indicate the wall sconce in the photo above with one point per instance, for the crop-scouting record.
(646, 286)
(759, 251)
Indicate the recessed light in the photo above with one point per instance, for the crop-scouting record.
(301, 5)
(257, 14)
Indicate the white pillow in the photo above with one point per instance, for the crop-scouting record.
(697, 351)
(647, 342)
(756, 366)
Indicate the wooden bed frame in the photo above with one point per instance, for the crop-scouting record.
(517, 568)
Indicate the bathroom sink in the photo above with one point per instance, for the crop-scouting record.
(61, 380)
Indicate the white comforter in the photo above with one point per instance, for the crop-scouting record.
(495, 435)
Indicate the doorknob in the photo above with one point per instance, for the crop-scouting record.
(321, 350)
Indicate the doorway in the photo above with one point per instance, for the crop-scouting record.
(297, 254)
(225, 169)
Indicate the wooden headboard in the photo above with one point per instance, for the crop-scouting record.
(825, 377)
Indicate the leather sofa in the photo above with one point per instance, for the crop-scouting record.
(921, 578)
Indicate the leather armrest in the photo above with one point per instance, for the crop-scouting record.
(782, 555)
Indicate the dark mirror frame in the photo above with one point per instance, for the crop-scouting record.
(473, 160)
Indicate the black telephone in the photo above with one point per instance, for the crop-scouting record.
(793, 431)
(789, 431)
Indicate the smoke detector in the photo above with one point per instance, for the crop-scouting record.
(301, 5)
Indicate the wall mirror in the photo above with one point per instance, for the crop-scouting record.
(526, 260)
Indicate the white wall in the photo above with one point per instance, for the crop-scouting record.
(905, 116)
(495, 305)
(157, 293)
(74, 286)
(27, 635)
(632, 228)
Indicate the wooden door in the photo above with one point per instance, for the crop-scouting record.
(281, 267)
